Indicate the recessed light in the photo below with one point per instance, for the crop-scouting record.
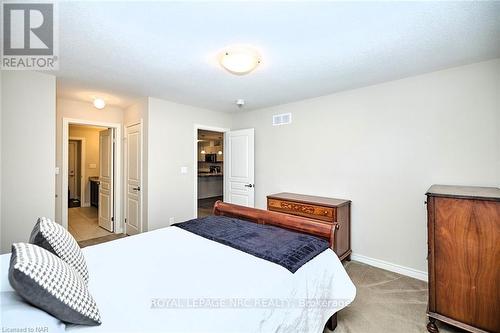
(99, 103)
(239, 60)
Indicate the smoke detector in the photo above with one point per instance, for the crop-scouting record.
(240, 102)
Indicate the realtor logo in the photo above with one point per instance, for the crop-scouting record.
(29, 38)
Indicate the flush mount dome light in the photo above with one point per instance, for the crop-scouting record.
(99, 103)
(239, 60)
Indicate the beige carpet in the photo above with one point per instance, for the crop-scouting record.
(385, 302)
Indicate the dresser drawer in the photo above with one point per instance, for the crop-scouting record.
(306, 210)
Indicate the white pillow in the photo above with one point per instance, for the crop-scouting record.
(54, 238)
(49, 283)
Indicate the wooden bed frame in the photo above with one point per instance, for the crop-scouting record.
(287, 221)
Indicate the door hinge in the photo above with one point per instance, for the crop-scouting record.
(112, 219)
(125, 220)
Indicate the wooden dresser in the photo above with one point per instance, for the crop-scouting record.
(327, 210)
(464, 257)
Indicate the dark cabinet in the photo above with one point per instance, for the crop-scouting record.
(94, 192)
(464, 257)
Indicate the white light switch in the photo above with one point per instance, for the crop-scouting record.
(184, 170)
(57, 170)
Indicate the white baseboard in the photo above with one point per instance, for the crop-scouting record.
(420, 275)
(86, 204)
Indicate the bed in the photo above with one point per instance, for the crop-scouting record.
(171, 280)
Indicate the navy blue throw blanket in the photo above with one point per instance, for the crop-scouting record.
(283, 247)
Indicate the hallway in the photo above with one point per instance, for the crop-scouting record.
(206, 206)
(83, 224)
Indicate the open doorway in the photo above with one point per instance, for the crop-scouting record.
(210, 166)
(90, 160)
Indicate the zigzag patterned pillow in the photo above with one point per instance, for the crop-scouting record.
(52, 285)
(54, 238)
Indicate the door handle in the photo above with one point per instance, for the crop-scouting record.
(138, 188)
(249, 185)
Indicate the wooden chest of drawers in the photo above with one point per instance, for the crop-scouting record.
(464, 257)
(327, 210)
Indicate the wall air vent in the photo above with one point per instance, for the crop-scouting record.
(282, 119)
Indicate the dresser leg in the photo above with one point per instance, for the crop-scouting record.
(332, 322)
(431, 326)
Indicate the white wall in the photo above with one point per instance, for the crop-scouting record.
(172, 144)
(1, 108)
(1, 104)
(67, 108)
(28, 150)
(382, 147)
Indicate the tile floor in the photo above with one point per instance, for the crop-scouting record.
(83, 224)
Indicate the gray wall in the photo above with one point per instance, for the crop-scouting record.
(28, 153)
(172, 144)
(382, 147)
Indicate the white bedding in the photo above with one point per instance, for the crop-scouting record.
(170, 265)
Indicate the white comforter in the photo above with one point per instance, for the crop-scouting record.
(170, 280)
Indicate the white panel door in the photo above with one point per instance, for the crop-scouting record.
(133, 178)
(239, 187)
(106, 201)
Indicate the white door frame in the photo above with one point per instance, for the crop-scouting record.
(125, 164)
(83, 142)
(117, 166)
(195, 168)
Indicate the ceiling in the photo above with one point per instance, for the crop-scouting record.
(127, 50)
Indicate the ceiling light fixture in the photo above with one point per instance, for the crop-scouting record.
(239, 60)
(99, 103)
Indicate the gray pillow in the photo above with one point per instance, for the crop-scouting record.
(54, 238)
(49, 283)
(15, 311)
